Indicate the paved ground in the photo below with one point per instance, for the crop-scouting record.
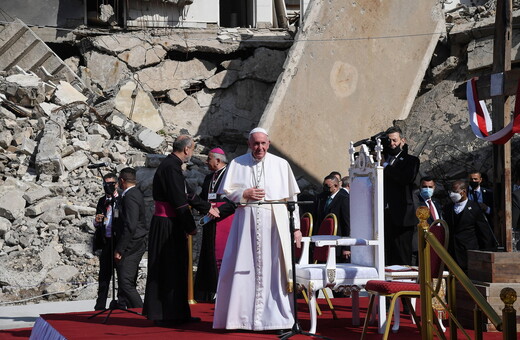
(25, 316)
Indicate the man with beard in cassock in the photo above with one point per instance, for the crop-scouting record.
(166, 297)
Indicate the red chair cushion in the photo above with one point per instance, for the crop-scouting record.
(391, 287)
(327, 227)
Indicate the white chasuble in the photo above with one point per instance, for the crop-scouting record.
(253, 283)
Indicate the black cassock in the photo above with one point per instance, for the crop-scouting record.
(207, 270)
(166, 296)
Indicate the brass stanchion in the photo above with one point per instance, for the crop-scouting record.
(191, 300)
(508, 297)
(452, 302)
(422, 214)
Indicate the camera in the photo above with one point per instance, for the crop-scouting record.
(372, 141)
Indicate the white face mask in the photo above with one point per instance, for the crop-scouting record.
(455, 197)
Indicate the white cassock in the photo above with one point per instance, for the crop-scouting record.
(252, 290)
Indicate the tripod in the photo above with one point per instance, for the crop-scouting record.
(296, 328)
(113, 304)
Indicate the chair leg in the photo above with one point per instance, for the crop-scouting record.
(389, 317)
(381, 311)
(312, 311)
(355, 308)
(397, 315)
(334, 316)
(368, 315)
(307, 301)
(414, 314)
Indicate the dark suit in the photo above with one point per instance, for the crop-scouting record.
(339, 206)
(105, 258)
(400, 220)
(469, 230)
(131, 240)
(420, 202)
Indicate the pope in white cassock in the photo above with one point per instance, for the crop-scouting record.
(255, 279)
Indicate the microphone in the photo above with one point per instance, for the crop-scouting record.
(97, 165)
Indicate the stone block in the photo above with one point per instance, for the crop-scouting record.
(76, 160)
(48, 157)
(33, 196)
(95, 143)
(6, 137)
(5, 226)
(78, 210)
(43, 206)
(26, 90)
(121, 122)
(148, 139)
(12, 204)
(98, 129)
(27, 146)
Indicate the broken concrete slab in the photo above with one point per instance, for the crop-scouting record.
(66, 93)
(329, 75)
(98, 129)
(480, 51)
(148, 139)
(222, 79)
(265, 65)
(104, 70)
(175, 74)
(48, 157)
(39, 208)
(186, 115)
(117, 43)
(176, 95)
(6, 137)
(27, 146)
(138, 105)
(143, 55)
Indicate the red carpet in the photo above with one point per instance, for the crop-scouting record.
(129, 326)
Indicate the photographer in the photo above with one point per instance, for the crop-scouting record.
(102, 237)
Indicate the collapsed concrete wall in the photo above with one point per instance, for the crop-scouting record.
(353, 69)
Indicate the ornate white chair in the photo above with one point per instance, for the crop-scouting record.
(366, 241)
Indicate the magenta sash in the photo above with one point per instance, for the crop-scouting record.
(164, 209)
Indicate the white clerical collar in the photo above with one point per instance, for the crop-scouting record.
(459, 206)
(334, 194)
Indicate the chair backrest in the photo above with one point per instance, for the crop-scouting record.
(441, 232)
(329, 226)
(306, 224)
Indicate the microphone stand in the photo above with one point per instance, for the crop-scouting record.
(291, 206)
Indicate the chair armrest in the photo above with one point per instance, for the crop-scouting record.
(306, 243)
(325, 240)
(350, 241)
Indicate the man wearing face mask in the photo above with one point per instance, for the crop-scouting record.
(400, 170)
(481, 195)
(424, 199)
(468, 227)
(102, 237)
(331, 200)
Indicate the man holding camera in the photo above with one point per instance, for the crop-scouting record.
(400, 220)
(102, 237)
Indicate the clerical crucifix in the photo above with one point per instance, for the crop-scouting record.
(499, 86)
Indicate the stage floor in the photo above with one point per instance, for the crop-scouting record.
(130, 326)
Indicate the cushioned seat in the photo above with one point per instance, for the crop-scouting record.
(392, 287)
(344, 272)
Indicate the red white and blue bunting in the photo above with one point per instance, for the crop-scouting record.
(480, 119)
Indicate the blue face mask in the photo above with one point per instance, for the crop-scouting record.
(426, 193)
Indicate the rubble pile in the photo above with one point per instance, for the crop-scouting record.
(138, 100)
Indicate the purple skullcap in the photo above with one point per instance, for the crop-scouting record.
(217, 150)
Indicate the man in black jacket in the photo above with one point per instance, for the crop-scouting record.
(103, 237)
(131, 239)
(331, 200)
(400, 220)
(468, 227)
(166, 297)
